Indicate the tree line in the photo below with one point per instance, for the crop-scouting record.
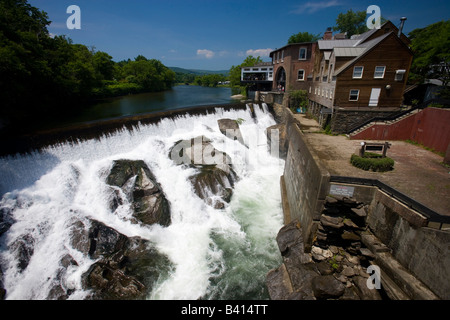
(42, 74)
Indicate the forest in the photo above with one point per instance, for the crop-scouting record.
(43, 75)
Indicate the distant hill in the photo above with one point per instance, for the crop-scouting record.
(198, 72)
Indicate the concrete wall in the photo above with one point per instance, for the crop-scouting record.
(306, 181)
(423, 251)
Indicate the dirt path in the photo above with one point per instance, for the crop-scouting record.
(418, 173)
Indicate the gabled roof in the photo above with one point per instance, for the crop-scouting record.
(366, 47)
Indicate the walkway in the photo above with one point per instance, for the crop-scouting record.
(418, 173)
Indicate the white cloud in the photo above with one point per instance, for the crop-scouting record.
(208, 54)
(311, 7)
(259, 52)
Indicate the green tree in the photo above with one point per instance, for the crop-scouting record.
(235, 71)
(303, 37)
(431, 46)
(351, 22)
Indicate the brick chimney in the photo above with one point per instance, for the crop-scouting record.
(328, 35)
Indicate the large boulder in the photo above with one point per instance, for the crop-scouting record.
(139, 185)
(125, 268)
(231, 129)
(214, 178)
(326, 287)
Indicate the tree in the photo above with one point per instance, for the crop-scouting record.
(351, 22)
(235, 71)
(431, 46)
(303, 37)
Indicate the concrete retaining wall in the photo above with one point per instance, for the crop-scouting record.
(422, 251)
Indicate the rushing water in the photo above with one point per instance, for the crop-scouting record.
(216, 253)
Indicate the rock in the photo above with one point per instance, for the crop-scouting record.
(280, 139)
(278, 283)
(23, 248)
(126, 268)
(348, 272)
(324, 268)
(320, 254)
(326, 287)
(331, 222)
(301, 276)
(149, 203)
(112, 284)
(363, 290)
(6, 220)
(349, 235)
(290, 243)
(367, 253)
(360, 212)
(215, 177)
(2, 288)
(230, 128)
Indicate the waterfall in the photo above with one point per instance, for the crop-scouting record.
(216, 253)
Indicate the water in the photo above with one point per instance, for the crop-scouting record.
(178, 97)
(216, 253)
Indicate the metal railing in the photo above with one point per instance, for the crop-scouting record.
(430, 214)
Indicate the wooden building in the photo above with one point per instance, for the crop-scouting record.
(360, 78)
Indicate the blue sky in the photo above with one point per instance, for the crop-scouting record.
(215, 34)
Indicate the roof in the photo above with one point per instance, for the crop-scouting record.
(366, 47)
(330, 44)
(348, 52)
(289, 45)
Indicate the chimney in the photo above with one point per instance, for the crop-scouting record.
(328, 35)
(402, 24)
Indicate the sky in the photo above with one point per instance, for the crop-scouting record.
(215, 34)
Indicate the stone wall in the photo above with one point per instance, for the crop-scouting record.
(412, 256)
(306, 181)
(344, 120)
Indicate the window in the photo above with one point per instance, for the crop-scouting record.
(326, 94)
(354, 95)
(379, 72)
(323, 92)
(302, 54)
(301, 75)
(282, 56)
(358, 72)
(310, 89)
(315, 90)
(399, 74)
(331, 93)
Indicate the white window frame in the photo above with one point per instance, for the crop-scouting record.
(300, 53)
(282, 56)
(350, 95)
(375, 73)
(354, 71)
(400, 72)
(298, 72)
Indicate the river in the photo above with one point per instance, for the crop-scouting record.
(216, 253)
(178, 97)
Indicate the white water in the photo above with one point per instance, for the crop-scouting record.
(217, 254)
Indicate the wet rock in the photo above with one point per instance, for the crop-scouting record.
(6, 220)
(215, 178)
(326, 287)
(290, 243)
(24, 249)
(230, 128)
(126, 267)
(137, 182)
(278, 283)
